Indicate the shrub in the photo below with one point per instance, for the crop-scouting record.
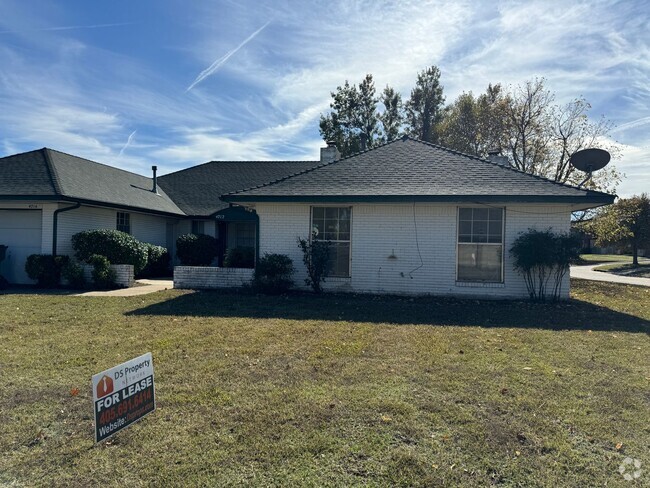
(273, 274)
(196, 249)
(118, 247)
(543, 258)
(103, 276)
(74, 274)
(316, 256)
(239, 257)
(45, 269)
(157, 262)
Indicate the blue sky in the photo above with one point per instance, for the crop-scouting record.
(177, 83)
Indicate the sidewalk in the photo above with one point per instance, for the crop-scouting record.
(588, 273)
(146, 287)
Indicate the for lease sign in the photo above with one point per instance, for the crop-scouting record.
(122, 395)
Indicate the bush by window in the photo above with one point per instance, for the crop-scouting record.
(543, 258)
(239, 257)
(196, 250)
(158, 260)
(316, 257)
(118, 247)
(273, 274)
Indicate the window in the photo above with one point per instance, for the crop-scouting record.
(480, 244)
(123, 222)
(198, 227)
(332, 224)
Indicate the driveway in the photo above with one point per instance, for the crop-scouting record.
(588, 273)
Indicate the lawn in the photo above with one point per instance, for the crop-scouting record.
(331, 391)
(605, 258)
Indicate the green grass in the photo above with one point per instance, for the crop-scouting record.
(330, 391)
(605, 258)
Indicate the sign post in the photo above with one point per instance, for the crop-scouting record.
(122, 395)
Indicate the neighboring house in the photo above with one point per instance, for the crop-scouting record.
(46, 196)
(406, 217)
(412, 217)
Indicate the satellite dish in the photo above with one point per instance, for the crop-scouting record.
(589, 160)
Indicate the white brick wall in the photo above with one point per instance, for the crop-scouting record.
(197, 277)
(383, 230)
(124, 274)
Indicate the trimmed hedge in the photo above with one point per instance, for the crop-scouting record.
(118, 247)
(196, 249)
(239, 257)
(45, 269)
(103, 276)
(273, 274)
(158, 260)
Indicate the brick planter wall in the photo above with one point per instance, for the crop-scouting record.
(197, 277)
(124, 272)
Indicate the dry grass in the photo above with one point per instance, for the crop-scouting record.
(331, 391)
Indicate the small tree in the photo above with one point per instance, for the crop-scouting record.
(316, 256)
(625, 224)
(543, 258)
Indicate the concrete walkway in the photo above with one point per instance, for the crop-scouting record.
(588, 273)
(146, 287)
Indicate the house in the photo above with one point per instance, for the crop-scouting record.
(47, 196)
(407, 217)
(412, 217)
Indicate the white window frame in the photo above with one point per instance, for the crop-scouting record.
(126, 216)
(349, 242)
(502, 244)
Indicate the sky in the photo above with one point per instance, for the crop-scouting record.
(178, 83)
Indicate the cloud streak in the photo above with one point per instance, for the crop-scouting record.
(128, 142)
(68, 27)
(214, 67)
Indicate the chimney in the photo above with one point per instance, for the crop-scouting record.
(495, 156)
(155, 180)
(330, 153)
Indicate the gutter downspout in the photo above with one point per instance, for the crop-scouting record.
(55, 223)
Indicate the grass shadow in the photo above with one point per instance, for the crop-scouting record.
(571, 314)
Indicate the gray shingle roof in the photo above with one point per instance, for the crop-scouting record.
(197, 190)
(412, 170)
(52, 174)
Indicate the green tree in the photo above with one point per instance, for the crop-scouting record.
(625, 224)
(425, 106)
(392, 118)
(353, 122)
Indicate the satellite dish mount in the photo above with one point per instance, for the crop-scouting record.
(589, 160)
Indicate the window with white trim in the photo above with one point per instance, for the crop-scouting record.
(123, 222)
(480, 244)
(332, 224)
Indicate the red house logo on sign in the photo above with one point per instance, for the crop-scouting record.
(105, 386)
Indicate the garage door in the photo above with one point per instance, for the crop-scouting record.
(21, 231)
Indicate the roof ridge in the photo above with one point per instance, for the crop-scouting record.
(54, 176)
(97, 162)
(509, 167)
(322, 165)
(292, 161)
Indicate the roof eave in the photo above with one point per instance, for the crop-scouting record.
(599, 199)
(93, 203)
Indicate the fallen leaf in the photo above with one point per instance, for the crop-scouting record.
(386, 419)
(619, 446)
(527, 368)
(74, 391)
